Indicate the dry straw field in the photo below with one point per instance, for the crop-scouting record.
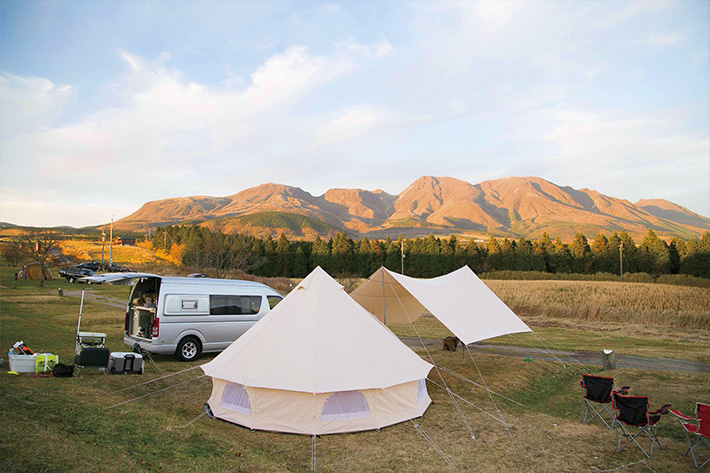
(83, 250)
(608, 302)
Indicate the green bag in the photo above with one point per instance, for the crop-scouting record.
(45, 362)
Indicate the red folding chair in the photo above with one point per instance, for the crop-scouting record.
(697, 431)
(597, 398)
(636, 421)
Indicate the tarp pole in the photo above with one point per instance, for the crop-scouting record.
(78, 324)
(384, 305)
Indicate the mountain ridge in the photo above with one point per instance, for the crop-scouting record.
(510, 206)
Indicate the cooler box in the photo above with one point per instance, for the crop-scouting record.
(22, 363)
(45, 362)
(125, 362)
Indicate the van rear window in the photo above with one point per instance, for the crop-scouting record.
(235, 305)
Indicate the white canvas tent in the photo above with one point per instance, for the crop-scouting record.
(460, 300)
(318, 363)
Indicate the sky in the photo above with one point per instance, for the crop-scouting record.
(106, 105)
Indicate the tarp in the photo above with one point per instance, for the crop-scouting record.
(460, 300)
(318, 363)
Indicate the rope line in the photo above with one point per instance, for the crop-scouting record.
(204, 413)
(584, 369)
(431, 359)
(551, 353)
(434, 446)
(500, 414)
(468, 402)
(154, 392)
(153, 380)
(463, 378)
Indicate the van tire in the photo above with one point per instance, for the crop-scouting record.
(188, 349)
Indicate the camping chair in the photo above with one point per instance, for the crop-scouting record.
(697, 431)
(633, 414)
(597, 390)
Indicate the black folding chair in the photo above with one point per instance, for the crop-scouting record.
(635, 421)
(597, 398)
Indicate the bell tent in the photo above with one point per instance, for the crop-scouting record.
(318, 363)
(460, 300)
(34, 271)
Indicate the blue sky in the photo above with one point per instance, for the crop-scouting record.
(107, 105)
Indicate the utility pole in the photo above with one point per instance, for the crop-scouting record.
(402, 250)
(621, 259)
(103, 243)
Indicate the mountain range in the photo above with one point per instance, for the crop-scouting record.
(511, 206)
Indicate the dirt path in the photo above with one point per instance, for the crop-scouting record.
(593, 359)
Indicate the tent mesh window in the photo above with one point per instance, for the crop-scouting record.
(345, 405)
(421, 390)
(235, 397)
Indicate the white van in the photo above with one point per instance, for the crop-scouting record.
(187, 316)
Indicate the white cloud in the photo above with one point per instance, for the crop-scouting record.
(643, 155)
(167, 133)
(496, 14)
(660, 40)
(351, 124)
(628, 11)
(30, 103)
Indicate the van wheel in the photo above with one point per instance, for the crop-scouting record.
(188, 349)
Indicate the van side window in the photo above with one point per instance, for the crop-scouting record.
(235, 305)
(273, 300)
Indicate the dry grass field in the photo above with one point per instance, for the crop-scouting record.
(83, 250)
(62, 425)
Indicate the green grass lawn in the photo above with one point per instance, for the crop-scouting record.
(63, 424)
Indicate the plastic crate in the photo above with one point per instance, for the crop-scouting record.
(22, 363)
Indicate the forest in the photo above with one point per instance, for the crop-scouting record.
(229, 254)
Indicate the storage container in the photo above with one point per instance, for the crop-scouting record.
(125, 362)
(22, 363)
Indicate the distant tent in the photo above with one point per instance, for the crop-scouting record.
(318, 363)
(34, 271)
(460, 300)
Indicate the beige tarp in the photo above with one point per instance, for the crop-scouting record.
(318, 363)
(460, 300)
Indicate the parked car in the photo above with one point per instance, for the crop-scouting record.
(115, 268)
(75, 274)
(92, 265)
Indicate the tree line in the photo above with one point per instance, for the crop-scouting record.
(225, 255)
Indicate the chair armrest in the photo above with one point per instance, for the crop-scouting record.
(662, 410)
(677, 413)
(623, 390)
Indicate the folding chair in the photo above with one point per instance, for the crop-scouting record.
(597, 390)
(633, 414)
(697, 431)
